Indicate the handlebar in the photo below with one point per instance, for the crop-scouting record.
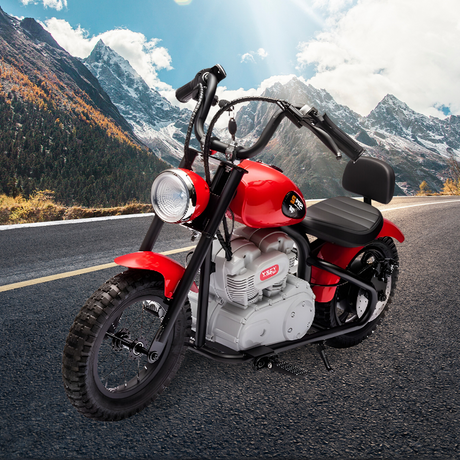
(322, 126)
(190, 89)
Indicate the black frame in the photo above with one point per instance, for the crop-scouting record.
(223, 189)
(224, 186)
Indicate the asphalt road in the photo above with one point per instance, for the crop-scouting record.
(394, 396)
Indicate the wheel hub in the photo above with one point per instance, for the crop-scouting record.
(135, 352)
(119, 337)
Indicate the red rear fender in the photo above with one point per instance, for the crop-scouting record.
(326, 283)
(390, 229)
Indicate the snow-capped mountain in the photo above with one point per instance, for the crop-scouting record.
(155, 121)
(395, 117)
(415, 145)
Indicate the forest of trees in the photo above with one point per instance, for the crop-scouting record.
(451, 186)
(84, 160)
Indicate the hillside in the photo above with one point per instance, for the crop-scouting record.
(60, 130)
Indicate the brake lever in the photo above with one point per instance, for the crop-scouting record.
(327, 140)
(309, 118)
(292, 113)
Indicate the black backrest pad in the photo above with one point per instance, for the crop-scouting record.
(370, 178)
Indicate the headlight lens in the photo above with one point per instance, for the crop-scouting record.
(179, 195)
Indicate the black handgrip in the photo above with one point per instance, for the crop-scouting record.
(190, 89)
(344, 142)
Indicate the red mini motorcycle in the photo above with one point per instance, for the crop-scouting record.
(266, 275)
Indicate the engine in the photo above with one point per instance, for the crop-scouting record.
(255, 298)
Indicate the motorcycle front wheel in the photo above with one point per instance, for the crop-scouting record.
(378, 264)
(106, 377)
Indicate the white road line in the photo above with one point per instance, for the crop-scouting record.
(151, 214)
(74, 221)
(420, 204)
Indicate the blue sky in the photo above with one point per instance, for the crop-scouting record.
(199, 34)
(359, 50)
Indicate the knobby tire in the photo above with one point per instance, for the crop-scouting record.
(126, 306)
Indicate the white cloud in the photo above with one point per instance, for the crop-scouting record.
(406, 48)
(248, 58)
(262, 53)
(145, 56)
(332, 6)
(56, 4)
(251, 56)
(75, 41)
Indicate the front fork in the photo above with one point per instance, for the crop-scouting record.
(201, 259)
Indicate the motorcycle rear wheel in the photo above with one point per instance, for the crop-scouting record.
(350, 302)
(103, 377)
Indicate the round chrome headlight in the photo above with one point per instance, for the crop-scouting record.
(179, 195)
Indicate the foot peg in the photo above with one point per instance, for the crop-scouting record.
(275, 364)
(286, 368)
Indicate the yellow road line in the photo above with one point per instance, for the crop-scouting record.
(45, 279)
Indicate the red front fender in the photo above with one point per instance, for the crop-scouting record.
(326, 283)
(171, 270)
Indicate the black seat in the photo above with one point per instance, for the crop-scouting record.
(343, 220)
(347, 221)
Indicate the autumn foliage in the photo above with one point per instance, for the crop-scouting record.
(52, 138)
(451, 186)
(48, 92)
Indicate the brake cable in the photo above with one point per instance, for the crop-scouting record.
(207, 142)
(192, 119)
(226, 242)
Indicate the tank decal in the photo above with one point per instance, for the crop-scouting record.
(293, 206)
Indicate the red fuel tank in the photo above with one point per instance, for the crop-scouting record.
(267, 198)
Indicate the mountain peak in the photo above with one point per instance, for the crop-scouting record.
(102, 52)
(395, 114)
(100, 47)
(37, 32)
(393, 101)
(100, 43)
(152, 117)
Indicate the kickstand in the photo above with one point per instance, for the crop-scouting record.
(322, 352)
